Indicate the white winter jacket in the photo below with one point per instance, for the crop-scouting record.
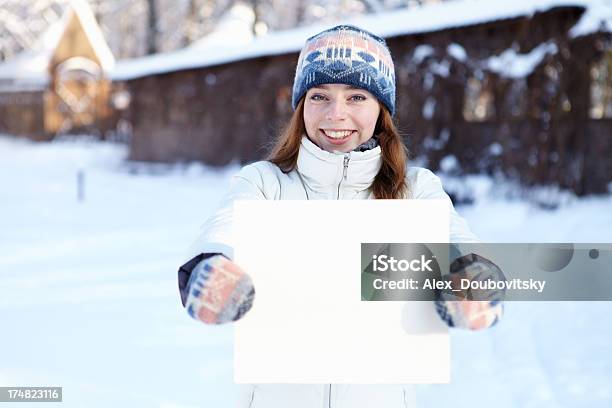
(320, 175)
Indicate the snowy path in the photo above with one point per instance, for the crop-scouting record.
(88, 297)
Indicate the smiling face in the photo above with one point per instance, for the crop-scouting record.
(339, 117)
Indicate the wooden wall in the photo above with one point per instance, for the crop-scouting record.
(21, 113)
(537, 128)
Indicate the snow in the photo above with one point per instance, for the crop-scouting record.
(496, 149)
(421, 52)
(89, 296)
(441, 68)
(94, 34)
(235, 28)
(89, 291)
(598, 17)
(512, 65)
(429, 107)
(449, 164)
(28, 70)
(430, 17)
(275, 43)
(457, 51)
(233, 40)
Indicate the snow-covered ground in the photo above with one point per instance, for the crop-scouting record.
(89, 301)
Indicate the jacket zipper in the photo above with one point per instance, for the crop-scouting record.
(344, 171)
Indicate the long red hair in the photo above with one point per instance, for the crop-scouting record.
(389, 183)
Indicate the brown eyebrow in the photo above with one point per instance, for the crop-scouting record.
(326, 87)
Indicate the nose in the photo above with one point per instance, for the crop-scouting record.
(336, 110)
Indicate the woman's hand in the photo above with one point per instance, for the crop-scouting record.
(219, 291)
(459, 309)
(469, 314)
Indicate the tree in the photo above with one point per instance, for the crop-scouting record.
(140, 27)
(152, 27)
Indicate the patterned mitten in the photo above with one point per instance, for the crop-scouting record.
(219, 291)
(462, 311)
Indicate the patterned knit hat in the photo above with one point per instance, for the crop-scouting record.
(346, 55)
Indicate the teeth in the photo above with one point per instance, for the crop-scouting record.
(338, 134)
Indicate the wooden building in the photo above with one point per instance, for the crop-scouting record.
(62, 85)
(521, 88)
(525, 91)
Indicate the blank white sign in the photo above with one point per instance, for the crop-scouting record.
(308, 323)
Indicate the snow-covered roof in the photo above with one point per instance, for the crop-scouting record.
(94, 34)
(235, 28)
(598, 17)
(512, 65)
(29, 69)
(428, 18)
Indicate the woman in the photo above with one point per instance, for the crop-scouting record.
(341, 143)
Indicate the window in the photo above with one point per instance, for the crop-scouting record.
(478, 101)
(601, 88)
(516, 98)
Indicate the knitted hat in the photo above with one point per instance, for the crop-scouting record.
(346, 55)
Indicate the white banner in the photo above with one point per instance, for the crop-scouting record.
(308, 324)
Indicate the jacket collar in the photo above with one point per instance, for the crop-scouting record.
(322, 169)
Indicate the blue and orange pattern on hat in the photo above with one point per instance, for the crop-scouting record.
(348, 55)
